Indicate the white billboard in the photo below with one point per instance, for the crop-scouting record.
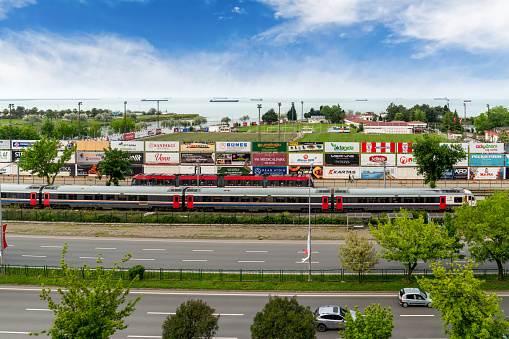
(128, 145)
(406, 160)
(18, 144)
(342, 147)
(378, 159)
(4, 144)
(332, 172)
(5, 156)
(486, 173)
(161, 169)
(232, 146)
(463, 145)
(408, 173)
(487, 148)
(162, 158)
(305, 159)
(162, 146)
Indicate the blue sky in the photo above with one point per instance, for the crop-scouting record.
(254, 48)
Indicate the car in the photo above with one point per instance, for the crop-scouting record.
(414, 297)
(331, 317)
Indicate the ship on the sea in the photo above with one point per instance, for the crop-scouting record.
(223, 100)
(361, 99)
(257, 99)
(444, 98)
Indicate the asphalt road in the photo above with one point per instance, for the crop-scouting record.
(22, 312)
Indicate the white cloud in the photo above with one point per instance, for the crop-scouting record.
(7, 5)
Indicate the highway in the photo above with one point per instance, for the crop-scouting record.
(237, 310)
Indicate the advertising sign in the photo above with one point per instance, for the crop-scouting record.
(487, 148)
(130, 146)
(409, 173)
(89, 157)
(486, 160)
(231, 146)
(342, 159)
(162, 158)
(463, 145)
(338, 129)
(68, 170)
(65, 144)
(406, 160)
(83, 170)
(198, 146)
(269, 159)
(72, 159)
(342, 147)
(92, 145)
(7, 169)
(4, 144)
(305, 159)
(404, 147)
(230, 170)
(194, 158)
(270, 170)
(317, 171)
(305, 146)
(378, 159)
(235, 159)
(269, 146)
(137, 158)
(330, 172)
(129, 136)
(377, 173)
(18, 144)
(161, 146)
(378, 147)
(16, 155)
(5, 156)
(486, 173)
(135, 170)
(460, 173)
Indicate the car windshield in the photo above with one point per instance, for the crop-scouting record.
(423, 294)
(342, 312)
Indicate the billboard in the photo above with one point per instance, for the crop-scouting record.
(269, 146)
(378, 147)
(65, 144)
(406, 160)
(408, 173)
(342, 147)
(162, 146)
(92, 145)
(234, 159)
(333, 172)
(5, 156)
(4, 144)
(230, 170)
(404, 147)
(269, 159)
(162, 158)
(305, 146)
(270, 170)
(231, 146)
(89, 157)
(371, 173)
(342, 159)
(486, 160)
(68, 170)
(136, 157)
(18, 144)
(487, 148)
(86, 169)
(305, 159)
(198, 146)
(463, 145)
(130, 146)
(317, 171)
(193, 158)
(378, 160)
(486, 173)
(338, 129)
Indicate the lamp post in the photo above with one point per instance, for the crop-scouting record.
(309, 218)
(197, 172)
(488, 105)
(79, 120)
(11, 106)
(293, 110)
(125, 118)
(301, 114)
(279, 122)
(259, 123)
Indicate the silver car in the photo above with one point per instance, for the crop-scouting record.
(331, 317)
(414, 297)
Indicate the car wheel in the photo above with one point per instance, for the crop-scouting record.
(429, 305)
(322, 328)
(405, 305)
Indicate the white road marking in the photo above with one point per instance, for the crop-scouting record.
(38, 309)
(33, 256)
(251, 261)
(221, 314)
(417, 315)
(257, 251)
(194, 260)
(91, 258)
(105, 248)
(48, 246)
(154, 249)
(203, 250)
(312, 252)
(12, 332)
(140, 259)
(305, 262)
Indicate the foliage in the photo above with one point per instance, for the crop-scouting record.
(95, 130)
(47, 128)
(136, 271)
(292, 113)
(503, 136)
(283, 318)
(244, 118)
(467, 311)
(270, 115)
(485, 229)
(225, 121)
(198, 121)
(498, 117)
(334, 114)
(434, 159)
(358, 254)
(194, 319)
(409, 240)
(376, 323)
(32, 119)
(64, 130)
(42, 159)
(117, 126)
(25, 132)
(114, 165)
(88, 308)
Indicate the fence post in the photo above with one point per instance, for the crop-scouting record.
(240, 275)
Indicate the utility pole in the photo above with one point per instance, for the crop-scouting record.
(279, 122)
(79, 120)
(125, 118)
(488, 105)
(11, 106)
(259, 106)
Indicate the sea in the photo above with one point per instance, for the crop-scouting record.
(215, 111)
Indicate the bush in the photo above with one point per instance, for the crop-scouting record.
(193, 319)
(109, 218)
(136, 270)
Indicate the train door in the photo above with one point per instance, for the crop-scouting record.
(33, 199)
(339, 203)
(190, 201)
(442, 203)
(325, 203)
(46, 199)
(176, 202)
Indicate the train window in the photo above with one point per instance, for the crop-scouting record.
(349, 200)
(207, 199)
(142, 198)
(132, 197)
(218, 199)
(298, 183)
(62, 197)
(280, 199)
(269, 199)
(362, 200)
(122, 197)
(302, 200)
(98, 197)
(458, 200)
(233, 199)
(72, 197)
(271, 183)
(4, 195)
(109, 197)
(373, 200)
(88, 197)
(244, 199)
(408, 200)
(257, 199)
(419, 200)
(396, 200)
(291, 200)
(384, 200)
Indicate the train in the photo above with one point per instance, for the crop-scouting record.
(278, 199)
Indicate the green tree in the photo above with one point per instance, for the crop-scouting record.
(114, 165)
(376, 323)
(467, 311)
(88, 308)
(32, 119)
(292, 113)
(481, 123)
(410, 240)
(357, 254)
(47, 128)
(199, 121)
(225, 121)
(95, 130)
(270, 115)
(244, 118)
(117, 126)
(194, 319)
(485, 229)
(503, 136)
(283, 318)
(434, 159)
(42, 159)
(64, 130)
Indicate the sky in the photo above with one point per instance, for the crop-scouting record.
(254, 48)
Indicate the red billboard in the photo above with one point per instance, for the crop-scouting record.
(269, 159)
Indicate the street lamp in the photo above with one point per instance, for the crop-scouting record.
(488, 105)
(125, 118)
(79, 120)
(11, 106)
(259, 123)
(301, 115)
(279, 122)
(309, 218)
(293, 111)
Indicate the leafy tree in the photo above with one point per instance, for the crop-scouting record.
(225, 121)
(503, 136)
(376, 323)
(434, 159)
(419, 115)
(410, 240)
(42, 159)
(467, 311)
(88, 308)
(481, 123)
(117, 126)
(358, 254)
(64, 130)
(32, 119)
(284, 318)
(114, 165)
(244, 118)
(292, 113)
(486, 230)
(198, 121)
(194, 319)
(95, 130)
(270, 115)
(47, 128)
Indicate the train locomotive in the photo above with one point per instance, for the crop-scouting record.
(280, 199)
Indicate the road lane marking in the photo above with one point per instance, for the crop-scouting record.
(154, 249)
(251, 261)
(305, 262)
(221, 314)
(33, 256)
(416, 315)
(158, 336)
(141, 259)
(91, 258)
(194, 260)
(203, 250)
(12, 332)
(257, 251)
(38, 309)
(48, 246)
(105, 248)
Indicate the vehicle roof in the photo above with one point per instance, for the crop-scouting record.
(412, 290)
(399, 191)
(270, 191)
(329, 309)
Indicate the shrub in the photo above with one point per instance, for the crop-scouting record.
(136, 270)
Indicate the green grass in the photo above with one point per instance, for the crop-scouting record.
(208, 137)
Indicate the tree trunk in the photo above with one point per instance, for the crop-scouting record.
(500, 270)
(411, 268)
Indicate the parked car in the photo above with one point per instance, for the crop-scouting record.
(331, 317)
(414, 297)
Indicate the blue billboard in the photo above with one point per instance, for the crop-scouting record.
(271, 170)
(486, 160)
